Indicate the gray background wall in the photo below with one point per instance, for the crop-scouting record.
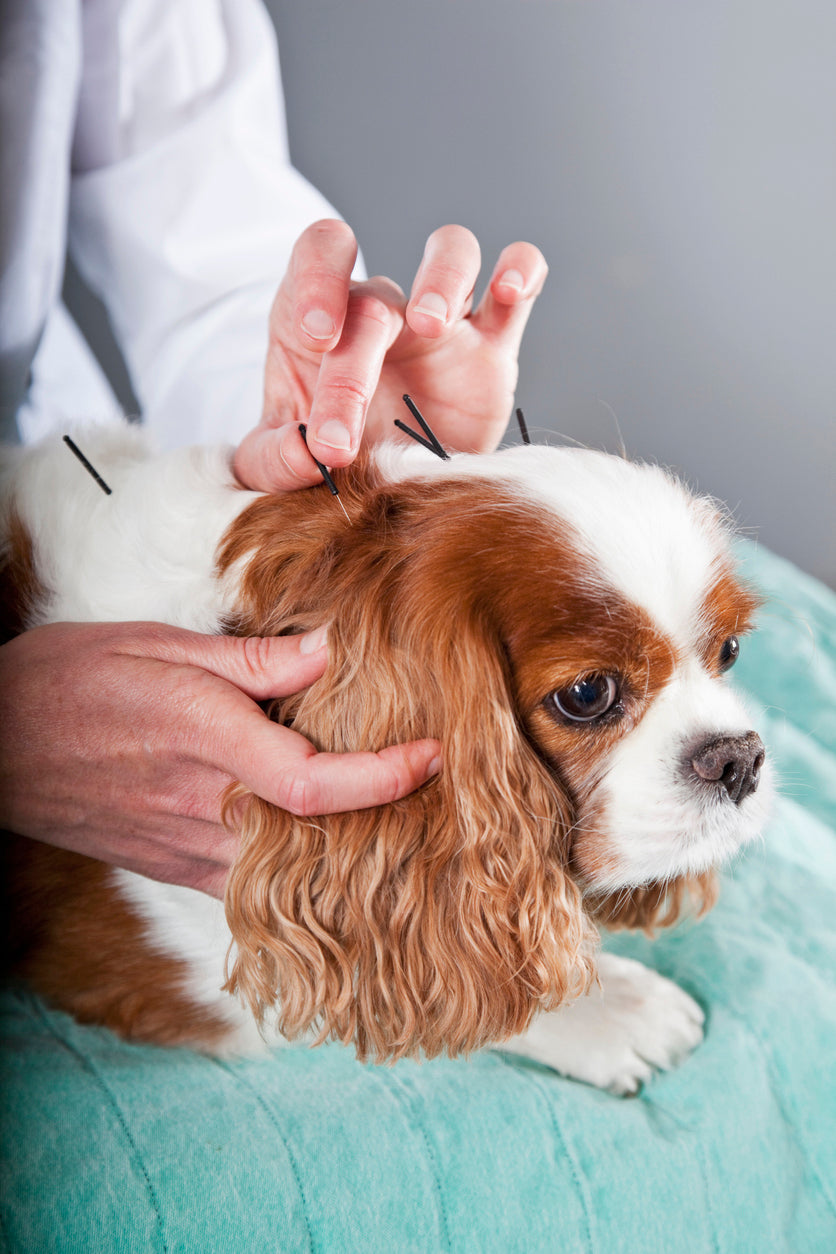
(675, 161)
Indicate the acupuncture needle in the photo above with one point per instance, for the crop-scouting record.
(324, 471)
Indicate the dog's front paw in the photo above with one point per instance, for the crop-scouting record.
(633, 1023)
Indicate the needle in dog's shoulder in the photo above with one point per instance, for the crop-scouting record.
(88, 466)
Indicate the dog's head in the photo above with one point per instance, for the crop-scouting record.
(561, 621)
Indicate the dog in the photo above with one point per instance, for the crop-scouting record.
(560, 619)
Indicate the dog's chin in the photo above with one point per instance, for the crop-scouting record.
(646, 840)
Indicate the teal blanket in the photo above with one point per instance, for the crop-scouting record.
(114, 1147)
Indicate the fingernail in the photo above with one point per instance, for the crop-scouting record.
(433, 304)
(434, 766)
(334, 434)
(313, 640)
(512, 279)
(318, 324)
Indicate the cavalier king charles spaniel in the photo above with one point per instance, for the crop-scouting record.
(560, 619)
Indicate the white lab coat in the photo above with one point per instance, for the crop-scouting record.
(183, 209)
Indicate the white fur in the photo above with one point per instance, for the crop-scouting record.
(633, 1022)
(658, 826)
(149, 552)
(193, 926)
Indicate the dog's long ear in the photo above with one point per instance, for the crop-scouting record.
(441, 922)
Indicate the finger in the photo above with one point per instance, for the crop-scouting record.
(281, 766)
(329, 783)
(516, 283)
(274, 459)
(193, 852)
(445, 280)
(349, 375)
(196, 854)
(317, 284)
(259, 666)
(309, 308)
(275, 762)
(213, 882)
(208, 875)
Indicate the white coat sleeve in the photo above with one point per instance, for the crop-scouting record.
(184, 204)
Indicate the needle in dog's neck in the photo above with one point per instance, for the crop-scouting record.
(326, 474)
(428, 440)
(88, 466)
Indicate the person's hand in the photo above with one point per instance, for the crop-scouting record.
(118, 740)
(341, 354)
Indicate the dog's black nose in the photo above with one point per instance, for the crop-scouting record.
(733, 763)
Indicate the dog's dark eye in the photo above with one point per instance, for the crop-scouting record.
(729, 653)
(587, 698)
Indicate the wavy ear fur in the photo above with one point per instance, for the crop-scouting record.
(441, 922)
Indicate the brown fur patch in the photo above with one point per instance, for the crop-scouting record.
(81, 946)
(728, 609)
(20, 587)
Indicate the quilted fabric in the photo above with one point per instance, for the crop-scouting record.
(113, 1147)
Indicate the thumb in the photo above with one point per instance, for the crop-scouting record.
(274, 459)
